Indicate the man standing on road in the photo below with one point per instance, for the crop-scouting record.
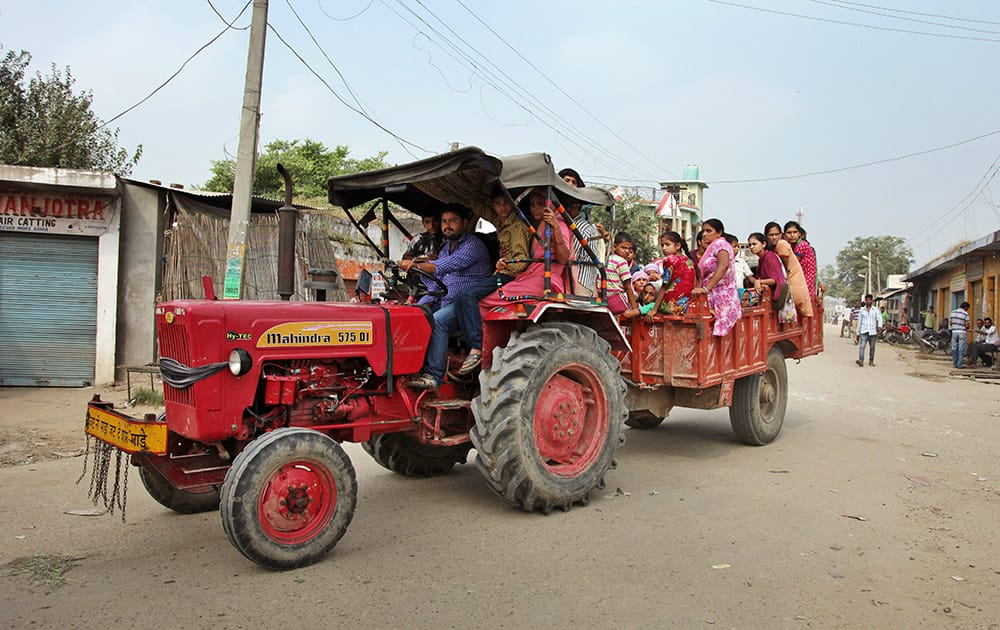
(869, 324)
(854, 320)
(959, 323)
(462, 262)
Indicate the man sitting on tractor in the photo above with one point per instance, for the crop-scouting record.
(462, 262)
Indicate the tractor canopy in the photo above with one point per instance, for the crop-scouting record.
(531, 170)
(424, 186)
(461, 176)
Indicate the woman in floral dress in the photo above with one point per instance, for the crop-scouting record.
(718, 281)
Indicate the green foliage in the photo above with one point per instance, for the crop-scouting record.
(834, 285)
(309, 162)
(45, 124)
(635, 218)
(147, 397)
(889, 255)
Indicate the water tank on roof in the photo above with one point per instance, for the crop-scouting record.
(691, 172)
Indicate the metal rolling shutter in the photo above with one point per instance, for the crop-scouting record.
(48, 309)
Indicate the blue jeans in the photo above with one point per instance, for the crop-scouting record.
(869, 339)
(445, 323)
(467, 306)
(958, 341)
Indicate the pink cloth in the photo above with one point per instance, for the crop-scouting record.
(723, 298)
(531, 281)
(807, 258)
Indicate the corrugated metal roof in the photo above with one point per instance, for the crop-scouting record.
(990, 242)
(218, 199)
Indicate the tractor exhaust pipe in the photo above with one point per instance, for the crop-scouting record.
(287, 223)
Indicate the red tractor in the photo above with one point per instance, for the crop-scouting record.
(259, 395)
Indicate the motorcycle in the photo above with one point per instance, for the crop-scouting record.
(896, 334)
(935, 340)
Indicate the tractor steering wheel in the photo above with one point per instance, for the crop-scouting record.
(414, 281)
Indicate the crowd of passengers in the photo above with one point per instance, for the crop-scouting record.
(449, 250)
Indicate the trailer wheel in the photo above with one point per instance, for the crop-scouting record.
(288, 498)
(759, 402)
(643, 419)
(180, 501)
(549, 416)
(402, 454)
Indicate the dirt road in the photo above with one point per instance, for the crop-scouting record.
(876, 507)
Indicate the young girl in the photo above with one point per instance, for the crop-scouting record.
(639, 281)
(620, 295)
(647, 300)
(678, 276)
(655, 274)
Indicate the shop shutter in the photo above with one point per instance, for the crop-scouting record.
(48, 309)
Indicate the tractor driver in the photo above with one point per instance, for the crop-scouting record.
(462, 262)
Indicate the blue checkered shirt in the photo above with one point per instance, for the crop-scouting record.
(459, 265)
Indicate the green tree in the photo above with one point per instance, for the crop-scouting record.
(834, 285)
(44, 123)
(309, 162)
(636, 218)
(888, 254)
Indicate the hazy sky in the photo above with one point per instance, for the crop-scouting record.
(632, 91)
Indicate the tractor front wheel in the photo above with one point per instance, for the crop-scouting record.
(288, 498)
(549, 416)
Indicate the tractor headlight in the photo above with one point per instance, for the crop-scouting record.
(239, 362)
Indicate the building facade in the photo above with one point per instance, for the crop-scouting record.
(970, 273)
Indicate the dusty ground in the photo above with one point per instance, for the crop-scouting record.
(877, 506)
(36, 423)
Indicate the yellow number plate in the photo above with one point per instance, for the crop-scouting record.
(301, 334)
(127, 434)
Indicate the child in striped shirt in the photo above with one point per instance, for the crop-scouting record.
(620, 294)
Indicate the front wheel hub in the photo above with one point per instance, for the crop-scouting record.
(296, 501)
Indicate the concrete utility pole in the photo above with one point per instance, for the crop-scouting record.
(868, 278)
(246, 155)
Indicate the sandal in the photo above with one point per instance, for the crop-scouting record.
(424, 381)
(471, 362)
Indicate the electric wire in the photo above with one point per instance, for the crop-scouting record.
(857, 166)
(937, 15)
(558, 87)
(857, 24)
(492, 78)
(346, 19)
(342, 99)
(485, 74)
(327, 57)
(227, 22)
(907, 19)
(229, 26)
(972, 196)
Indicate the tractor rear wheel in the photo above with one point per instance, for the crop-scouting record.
(402, 454)
(549, 416)
(180, 501)
(759, 401)
(288, 498)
